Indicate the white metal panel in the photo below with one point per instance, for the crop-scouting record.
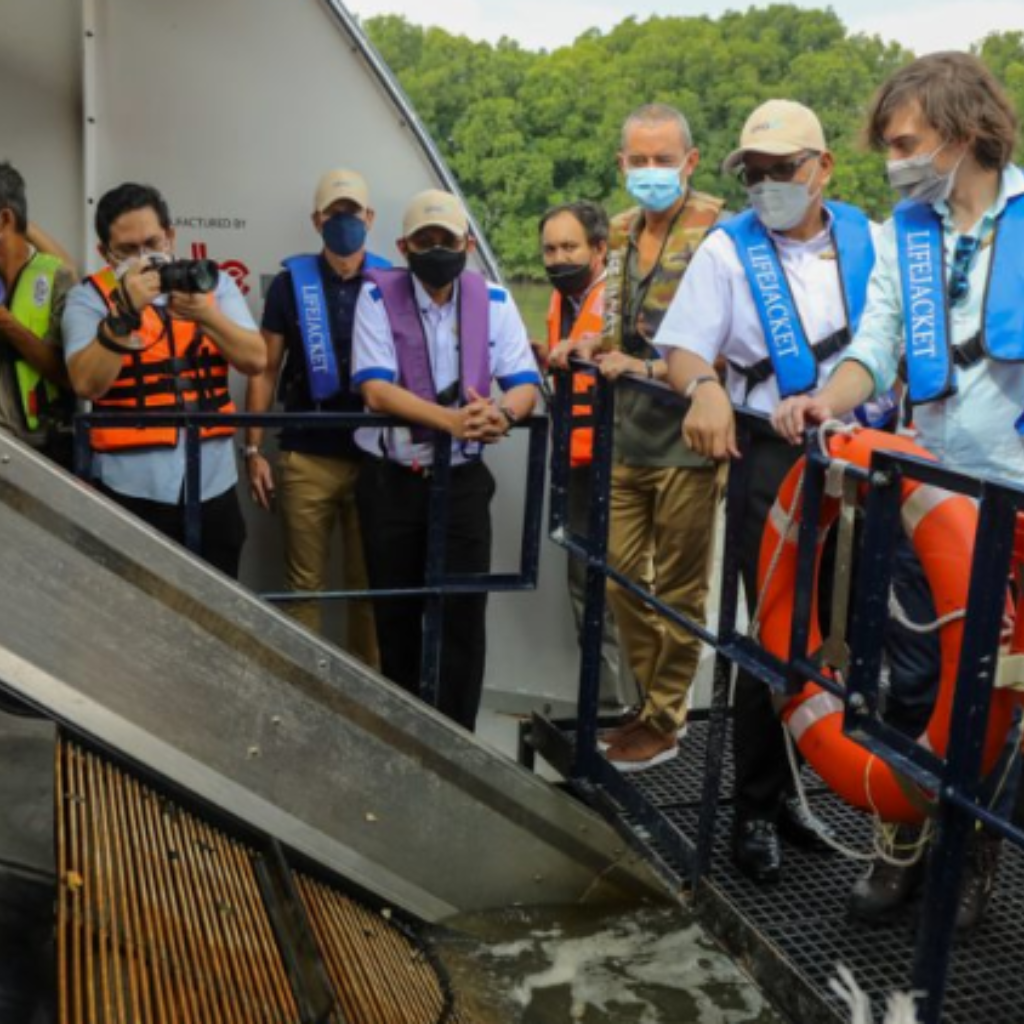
(233, 109)
(40, 74)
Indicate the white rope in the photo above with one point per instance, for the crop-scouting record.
(897, 612)
(801, 793)
(830, 427)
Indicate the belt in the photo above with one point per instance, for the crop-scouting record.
(425, 472)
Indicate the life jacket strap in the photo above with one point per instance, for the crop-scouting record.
(763, 370)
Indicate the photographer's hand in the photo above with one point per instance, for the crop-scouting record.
(196, 308)
(142, 285)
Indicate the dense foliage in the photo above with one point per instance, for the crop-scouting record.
(523, 129)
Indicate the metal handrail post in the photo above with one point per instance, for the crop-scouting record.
(434, 571)
(986, 602)
(596, 546)
(193, 489)
(737, 488)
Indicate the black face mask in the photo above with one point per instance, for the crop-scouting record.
(437, 267)
(569, 278)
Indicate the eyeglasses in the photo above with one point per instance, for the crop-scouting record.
(959, 278)
(782, 171)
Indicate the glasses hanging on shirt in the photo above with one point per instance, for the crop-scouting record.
(967, 247)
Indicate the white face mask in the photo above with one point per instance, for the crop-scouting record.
(917, 178)
(781, 205)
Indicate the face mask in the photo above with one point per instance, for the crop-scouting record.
(437, 267)
(344, 234)
(781, 205)
(916, 177)
(655, 188)
(569, 278)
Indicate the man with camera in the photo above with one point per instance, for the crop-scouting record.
(151, 334)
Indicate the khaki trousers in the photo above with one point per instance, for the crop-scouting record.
(661, 536)
(314, 492)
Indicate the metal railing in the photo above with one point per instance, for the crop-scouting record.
(954, 779)
(437, 581)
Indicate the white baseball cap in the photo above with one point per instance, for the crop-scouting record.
(780, 128)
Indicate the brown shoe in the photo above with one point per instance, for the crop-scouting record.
(643, 747)
(609, 737)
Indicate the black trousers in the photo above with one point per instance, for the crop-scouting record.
(394, 513)
(223, 528)
(762, 767)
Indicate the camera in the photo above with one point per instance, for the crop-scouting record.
(194, 277)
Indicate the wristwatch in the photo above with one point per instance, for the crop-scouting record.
(249, 450)
(696, 383)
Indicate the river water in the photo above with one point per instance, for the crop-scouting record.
(573, 966)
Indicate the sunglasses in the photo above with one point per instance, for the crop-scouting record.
(781, 172)
(959, 278)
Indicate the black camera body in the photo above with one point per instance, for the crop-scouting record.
(194, 277)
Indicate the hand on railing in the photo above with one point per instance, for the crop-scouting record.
(795, 415)
(615, 364)
(709, 428)
(581, 348)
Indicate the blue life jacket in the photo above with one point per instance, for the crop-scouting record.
(792, 358)
(318, 345)
(930, 355)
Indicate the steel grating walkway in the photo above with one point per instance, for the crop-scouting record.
(790, 936)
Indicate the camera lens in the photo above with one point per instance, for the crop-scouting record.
(190, 276)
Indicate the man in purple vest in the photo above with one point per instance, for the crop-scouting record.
(427, 343)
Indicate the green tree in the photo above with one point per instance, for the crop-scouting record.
(523, 130)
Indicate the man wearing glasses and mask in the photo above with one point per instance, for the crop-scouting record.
(135, 341)
(427, 343)
(776, 292)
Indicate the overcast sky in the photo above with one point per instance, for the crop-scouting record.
(921, 25)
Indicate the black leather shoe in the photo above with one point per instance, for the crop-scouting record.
(756, 850)
(886, 888)
(802, 828)
(979, 879)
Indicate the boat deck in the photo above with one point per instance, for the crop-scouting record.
(790, 936)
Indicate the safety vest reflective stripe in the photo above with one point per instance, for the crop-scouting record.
(590, 320)
(177, 368)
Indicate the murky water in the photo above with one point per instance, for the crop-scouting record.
(572, 966)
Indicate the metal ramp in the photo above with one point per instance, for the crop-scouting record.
(186, 680)
(791, 936)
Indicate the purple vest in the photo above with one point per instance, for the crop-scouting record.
(396, 289)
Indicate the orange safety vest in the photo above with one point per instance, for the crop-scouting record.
(589, 321)
(177, 368)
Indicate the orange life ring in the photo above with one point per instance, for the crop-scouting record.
(941, 526)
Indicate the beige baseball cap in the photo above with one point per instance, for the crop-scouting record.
(341, 183)
(435, 208)
(778, 127)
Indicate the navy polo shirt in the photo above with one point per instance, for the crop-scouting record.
(280, 316)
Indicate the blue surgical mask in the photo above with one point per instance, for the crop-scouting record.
(344, 234)
(916, 177)
(655, 188)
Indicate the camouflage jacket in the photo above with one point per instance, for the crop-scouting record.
(648, 431)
